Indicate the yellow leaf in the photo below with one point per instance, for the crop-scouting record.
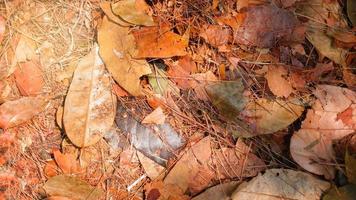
(117, 46)
(133, 11)
(90, 105)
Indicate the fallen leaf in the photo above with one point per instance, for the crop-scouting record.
(13, 113)
(5, 91)
(319, 70)
(227, 97)
(216, 35)
(311, 146)
(180, 70)
(277, 82)
(200, 82)
(106, 7)
(51, 169)
(160, 83)
(29, 78)
(350, 167)
(281, 184)
(240, 4)
(66, 162)
(90, 106)
(25, 50)
(219, 192)
(59, 116)
(160, 42)
(155, 117)
(159, 191)
(133, 11)
(58, 198)
(351, 11)
(159, 142)
(71, 187)
(153, 170)
(119, 91)
(266, 116)
(264, 25)
(2, 28)
(117, 56)
(346, 192)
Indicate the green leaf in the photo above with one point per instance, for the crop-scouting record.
(347, 192)
(71, 187)
(350, 165)
(227, 97)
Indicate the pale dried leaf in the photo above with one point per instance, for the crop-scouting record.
(25, 49)
(90, 105)
(133, 11)
(155, 117)
(29, 77)
(106, 7)
(218, 192)
(277, 82)
(153, 170)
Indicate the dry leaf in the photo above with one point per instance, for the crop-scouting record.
(160, 42)
(58, 198)
(277, 82)
(117, 46)
(200, 82)
(159, 191)
(155, 117)
(5, 91)
(119, 91)
(71, 187)
(281, 184)
(2, 28)
(311, 146)
(153, 170)
(133, 11)
(13, 113)
(51, 169)
(219, 192)
(67, 162)
(90, 106)
(265, 116)
(25, 50)
(216, 35)
(240, 4)
(59, 116)
(29, 77)
(106, 7)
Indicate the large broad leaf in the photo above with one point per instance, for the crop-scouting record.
(133, 11)
(117, 47)
(266, 116)
(281, 184)
(159, 142)
(13, 113)
(227, 97)
(332, 117)
(90, 105)
(71, 187)
(106, 7)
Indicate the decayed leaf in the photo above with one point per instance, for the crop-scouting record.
(2, 28)
(351, 11)
(160, 83)
(159, 143)
(179, 71)
(106, 7)
(227, 97)
(155, 117)
(347, 192)
(13, 113)
(160, 42)
(117, 46)
(218, 192)
(200, 82)
(159, 191)
(277, 82)
(29, 77)
(90, 105)
(265, 116)
(216, 35)
(133, 11)
(264, 25)
(153, 170)
(281, 184)
(71, 187)
(311, 147)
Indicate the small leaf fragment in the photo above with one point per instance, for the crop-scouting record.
(71, 187)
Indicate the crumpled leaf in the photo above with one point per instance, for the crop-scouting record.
(311, 146)
(160, 42)
(266, 116)
(159, 143)
(90, 105)
(277, 82)
(155, 117)
(29, 77)
(351, 11)
(347, 192)
(227, 97)
(71, 187)
(106, 7)
(281, 184)
(219, 192)
(13, 113)
(2, 27)
(117, 46)
(133, 11)
(264, 25)
(153, 170)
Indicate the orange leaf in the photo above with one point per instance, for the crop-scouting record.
(216, 35)
(119, 91)
(156, 42)
(155, 117)
(29, 78)
(2, 28)
(67, 162)
(276, 81)
(51, 169)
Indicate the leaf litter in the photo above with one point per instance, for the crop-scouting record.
(210, 95)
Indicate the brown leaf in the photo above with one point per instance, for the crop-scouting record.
(133, 11)
(117, 53)
(13, 113)
(160, 42)
(90, 105)
(216, 35)
(25, 50)
(277, 82)
(59, 116)
(155, 117)
(199, 83)
(29, 77)
(311, 146)
(119, 91)
(51, 168)
(159, 191)
(2, 28)
(67, 162)
(240, 4)
(153, 170)
(106, 7)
